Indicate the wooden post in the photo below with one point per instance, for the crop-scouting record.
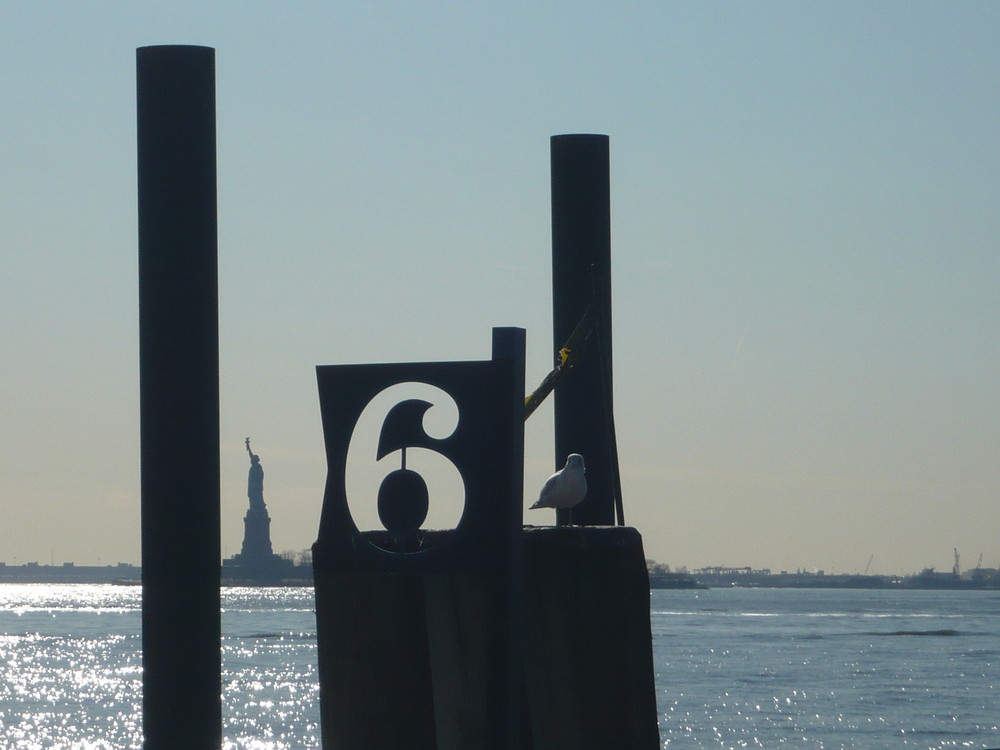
(421, 648)
(375, 676)
(474, 613)
(581, 279)
(588, 647)
(179, 398)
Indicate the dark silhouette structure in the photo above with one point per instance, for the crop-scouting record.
(256, 561)
(255, 480)
(179, 397)
(418, 630)
(581, 311)
(488, 636)
(256, 524)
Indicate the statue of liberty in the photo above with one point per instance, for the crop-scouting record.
(256, 524)
(255, 481)
(256, 561)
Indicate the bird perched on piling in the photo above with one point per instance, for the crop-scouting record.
(566, 488)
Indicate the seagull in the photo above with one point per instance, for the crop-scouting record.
(565, 488)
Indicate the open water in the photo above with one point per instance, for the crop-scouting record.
(735, 668)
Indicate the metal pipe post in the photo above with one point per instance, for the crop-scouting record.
(179, 397)
(581, 278)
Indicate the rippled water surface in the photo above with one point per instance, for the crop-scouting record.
(735, 668)
(827, 668)
(72, 671)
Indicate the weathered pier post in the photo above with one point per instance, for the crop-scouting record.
(179, 397)
(588, 647)
(418, 631)
(589, 664)
(491, 636)
(581, 280)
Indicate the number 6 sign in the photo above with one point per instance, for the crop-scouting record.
(485, 447)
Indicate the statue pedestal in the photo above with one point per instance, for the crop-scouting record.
(256, 563)
(256, 534)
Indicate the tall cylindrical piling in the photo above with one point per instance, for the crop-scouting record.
(179, 397)
(581, 280)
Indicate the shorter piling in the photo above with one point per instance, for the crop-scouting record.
(587, 641)
(374, 660)
(413, 660)
(420, 660)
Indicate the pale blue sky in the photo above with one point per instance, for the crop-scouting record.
(805, 255)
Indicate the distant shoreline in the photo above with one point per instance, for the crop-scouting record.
(128, 574)
(301, 575)
(984, 580)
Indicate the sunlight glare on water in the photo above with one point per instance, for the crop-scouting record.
(804, 669)
(72, 674)
(70, 657)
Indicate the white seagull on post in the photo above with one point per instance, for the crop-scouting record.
(566, 488)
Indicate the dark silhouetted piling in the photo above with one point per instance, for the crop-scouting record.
(179, 397)
(422, 649)
(588, 648)
(581, 280)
